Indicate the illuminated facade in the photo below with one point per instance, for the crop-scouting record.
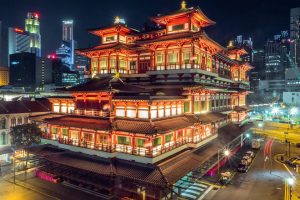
(154, 93)
(32, 26)
(4, 76)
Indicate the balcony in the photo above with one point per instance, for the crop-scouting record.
(148, 152)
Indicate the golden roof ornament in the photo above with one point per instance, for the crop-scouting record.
(183, 5)
(117, 20)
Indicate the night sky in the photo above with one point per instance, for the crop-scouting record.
(259, 19)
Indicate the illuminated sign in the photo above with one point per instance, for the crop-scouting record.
(17, 30)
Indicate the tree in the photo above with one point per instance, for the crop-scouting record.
(24, 136)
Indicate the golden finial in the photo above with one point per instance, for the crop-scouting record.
(117, 20)
(183, 5)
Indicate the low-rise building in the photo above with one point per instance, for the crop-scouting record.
(4, 76)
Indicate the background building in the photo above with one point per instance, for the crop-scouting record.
(4, 76)
(32, 26)
(295, 35)
(28, 70)
(66, 51)
(18, 41)
(3, 45)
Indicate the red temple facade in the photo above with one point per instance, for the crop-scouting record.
(153, 94)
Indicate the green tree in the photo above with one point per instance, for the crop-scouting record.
(24, 136)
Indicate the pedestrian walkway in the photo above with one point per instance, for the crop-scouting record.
(195, 191)
(190, 189)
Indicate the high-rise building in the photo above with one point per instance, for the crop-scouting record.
(18, 41)
(4, 76)
(295, 35)
(66, 51)
(26, 69)
(275, 59)
(67, 30)
(32, 26)
(3, 45)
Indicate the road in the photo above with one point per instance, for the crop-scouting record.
(259, 183)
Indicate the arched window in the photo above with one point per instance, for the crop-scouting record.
(20, 120)
(3, 138)
(2, 123)
(13, 122)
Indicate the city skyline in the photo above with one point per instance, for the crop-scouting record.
(260, 15)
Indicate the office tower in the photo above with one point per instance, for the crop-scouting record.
(67, 30)
(4, 76)
(295, 35)
(28, 70)
(32, 26)
(3, 44)
(18, 41)
(66, 51)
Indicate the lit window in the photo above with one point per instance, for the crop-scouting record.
(131, 112)
(56, 107)
(161, 111)
(169, 138)
(159, 58)
(120, 112)
(186, 57)
(172, 58)
(64, 108)
(143, 113)
(156, 142)
(140, 142)
(178, 27)
(123, 140)
(109, 38)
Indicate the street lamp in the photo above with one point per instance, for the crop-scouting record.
(226, 153)
(294, 111)
(275, 110)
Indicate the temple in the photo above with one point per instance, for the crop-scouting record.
(154, 93)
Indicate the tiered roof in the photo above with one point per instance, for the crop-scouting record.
(25, 106)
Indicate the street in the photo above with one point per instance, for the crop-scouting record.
(263, 181)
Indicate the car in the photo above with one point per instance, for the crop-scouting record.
(246, 159)
(250, 154)
(292, 161)
(243, 168)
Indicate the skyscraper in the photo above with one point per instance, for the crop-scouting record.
(295, 35)
(32, 26)
(18, 41)
(3, 45)
(67, 30)
(66, 51)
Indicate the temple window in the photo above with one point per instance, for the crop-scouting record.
(65, 132)
(123, 140)
(156, 142)
(169, 137)
(111, 38)
(160, 58)
(132, 65)
(122, 64)
(186, 57)
(120, 111)
(143, 113)
(172, 58)
(179, 109)
(186, 106)
(103, 65)
(196, 106)
(173, 109)
(94, 65)
(131, 112)
(56, 107)
(71, 108)
(209, 64)
(140, 142)
(74, 135)
(64, 108)
(161, 111)
(153, 112)
(168, 110)
(2, 123)
(178, 27)
(122, 38)
(113, 64)
(102, 139)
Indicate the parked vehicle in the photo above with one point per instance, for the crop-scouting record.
(256, 144)
(250, 154)
(293, 161)
(225, 178)
(243, 168)
(246, 159)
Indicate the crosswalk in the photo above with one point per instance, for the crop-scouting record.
(189, 189)
(195, 191)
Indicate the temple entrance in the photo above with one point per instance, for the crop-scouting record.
(144, 66)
